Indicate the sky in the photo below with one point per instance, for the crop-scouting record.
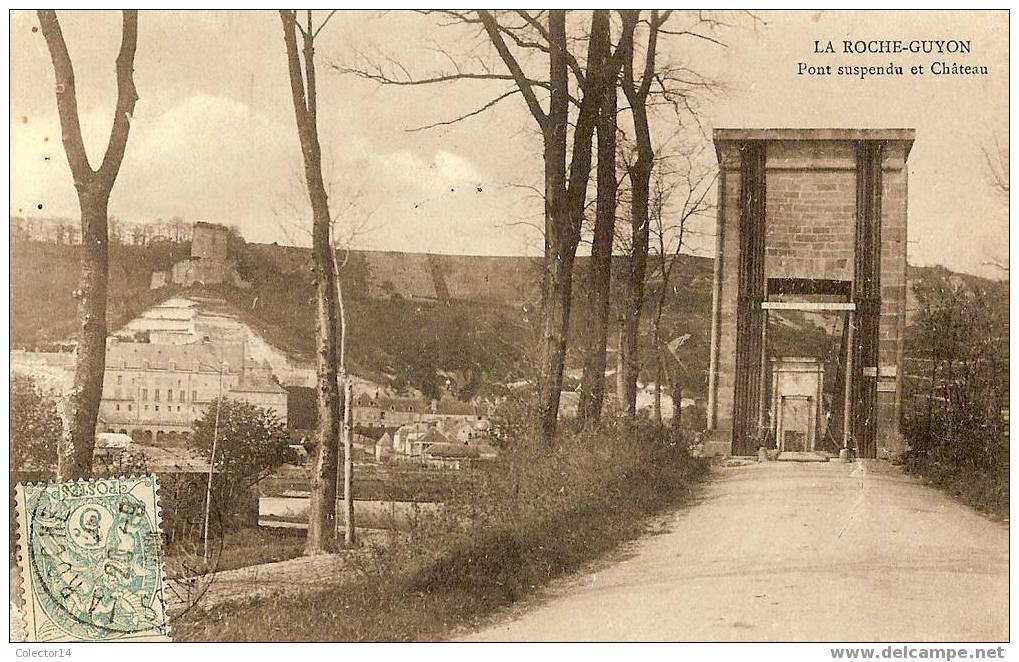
(213, 136)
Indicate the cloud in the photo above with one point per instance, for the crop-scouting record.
(214, 157)
(429, 173)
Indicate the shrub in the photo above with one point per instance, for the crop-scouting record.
(537, 515)
(35, 428)
(958, 389)
(532, 515)
(250, 443)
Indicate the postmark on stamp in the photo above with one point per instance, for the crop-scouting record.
(90, 560)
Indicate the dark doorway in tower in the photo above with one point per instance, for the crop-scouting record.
(804, 364)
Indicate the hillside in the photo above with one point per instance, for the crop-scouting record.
(44, 277)
(422, 276)
(424, 318)
(415, 319)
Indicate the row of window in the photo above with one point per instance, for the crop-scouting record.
(168, 408)
(169, 395)
(120, 382)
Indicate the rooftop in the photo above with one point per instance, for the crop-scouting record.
(206, 357)
(452, 451)
(843, 134)
(210, 225)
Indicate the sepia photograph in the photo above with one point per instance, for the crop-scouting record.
(687, 326)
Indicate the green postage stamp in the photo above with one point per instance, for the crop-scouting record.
(89, 561)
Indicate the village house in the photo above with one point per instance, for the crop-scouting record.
(389, 412)
(430, 440)
(384, 448)
(384, 411)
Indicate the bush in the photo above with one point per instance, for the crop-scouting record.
(971, 463)
(957, 392)
(533, 515)
(250, 443)
(35, 428)
(540, 515)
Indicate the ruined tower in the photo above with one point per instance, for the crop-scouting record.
(811, 240)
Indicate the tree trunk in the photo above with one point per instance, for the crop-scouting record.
(564, 204)
(93, 188)
(676, 390)
(658, 388)
(322, 506)
(556, 281)
(640, 181)
(345, 387)
(90, 363)
(592, 392)
(633, 295)
(620, 368)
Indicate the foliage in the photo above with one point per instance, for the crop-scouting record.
(44, 277)
(421, 343)
(524, 520)
(250, 443)
(957, 387)
(35, 427)
(182, 496)
(112, 463)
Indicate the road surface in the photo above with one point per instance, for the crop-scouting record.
(785, 551)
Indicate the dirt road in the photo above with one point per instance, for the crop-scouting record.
(792, 552)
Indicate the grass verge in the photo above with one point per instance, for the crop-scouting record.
(983, 489)
(532, 517)
(238, 549)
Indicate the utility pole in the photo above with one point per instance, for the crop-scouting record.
(348, 463)
(212, 464)
(346, 388)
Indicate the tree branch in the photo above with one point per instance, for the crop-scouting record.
(571, 61)
(477, 111)
(691, 33)
(324, 23)
(492, 27)
(290, 27)
(649, 58)
(311, 92)
(67, 102)
(127, 96)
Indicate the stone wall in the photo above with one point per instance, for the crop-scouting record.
(811, 214)
(209, 241)
(893, 294)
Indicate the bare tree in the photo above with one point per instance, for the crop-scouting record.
(565, 190)
(996, 159)
(93, 188)
(647, 82)
(637, 91)
(322, 509)
(567, 171)
(669, 228)
(592, 385)
(349, 222)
